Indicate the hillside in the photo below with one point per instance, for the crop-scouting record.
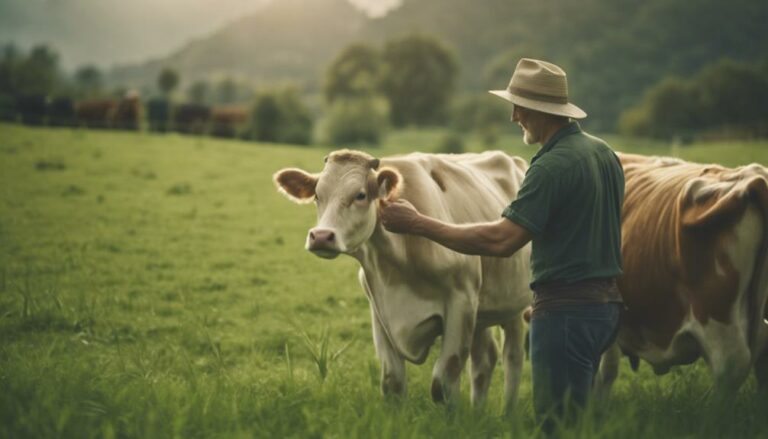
(288, 40)
(613, 49)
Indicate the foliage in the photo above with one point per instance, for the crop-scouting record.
(498, 71)
(356, 72)
(167, 80)
(320, 351)
(356, 121)
(198, 92)
(418, 80)
(231, 89)
(726, 95)
(279, 115)
(483, 114)
(451, 143)
(32, 74)
(89, 81)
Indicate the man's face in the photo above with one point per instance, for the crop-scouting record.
(531, 123)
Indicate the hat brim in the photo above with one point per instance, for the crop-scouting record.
(568, 110)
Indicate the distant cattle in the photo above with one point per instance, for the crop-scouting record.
(61, 112)
(191, 118)
(228, 121)
(158, 114)
(695, 283)
(125, 113)
(417, 289)
(32, 109)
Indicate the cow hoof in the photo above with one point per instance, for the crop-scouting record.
(437, 391)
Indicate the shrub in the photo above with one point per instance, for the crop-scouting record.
(486, 115)
(451, 143)
(280, 116)
(357, 121)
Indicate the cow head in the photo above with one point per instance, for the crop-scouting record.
(346, 194)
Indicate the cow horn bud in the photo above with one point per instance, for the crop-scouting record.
(374, 164)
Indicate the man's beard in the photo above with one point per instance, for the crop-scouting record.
(529, 138)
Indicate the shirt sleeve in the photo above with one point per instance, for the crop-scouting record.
(535, 201)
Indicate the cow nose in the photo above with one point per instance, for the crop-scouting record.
(322, 239)
(321, 236)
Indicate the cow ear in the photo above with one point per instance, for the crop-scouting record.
(297, 185)
(389, 183)
(726, 207)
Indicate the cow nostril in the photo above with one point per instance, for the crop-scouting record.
(331, 236)
(311, 236)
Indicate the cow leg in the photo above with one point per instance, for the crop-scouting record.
(393, 378)
(484, 356)
(457, 339)
(514, 354)
(761, 373)
(728, 356)
(608, 372)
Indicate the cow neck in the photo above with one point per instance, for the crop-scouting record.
(377, 252)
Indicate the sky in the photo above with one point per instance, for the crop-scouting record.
(112, 32)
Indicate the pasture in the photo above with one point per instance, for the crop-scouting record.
(157, 286)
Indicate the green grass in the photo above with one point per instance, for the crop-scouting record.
(157, 286)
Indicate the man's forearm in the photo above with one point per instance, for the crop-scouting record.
(481, 239)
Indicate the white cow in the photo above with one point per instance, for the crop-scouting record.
(417, 289)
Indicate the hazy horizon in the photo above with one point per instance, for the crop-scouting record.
(109, 33)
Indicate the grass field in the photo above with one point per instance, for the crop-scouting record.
(157, 287)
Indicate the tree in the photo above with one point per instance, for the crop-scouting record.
(38, 73)
(356, 72)
(9, 69)
(670, 109)
(167, 81)
(89, 80)
(198, 91)
(733, 93)
(498, 71)
(418, 79)
(279, 115)
(226, 91)
(726, 97)
(358, 120)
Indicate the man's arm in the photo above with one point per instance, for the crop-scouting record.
(501, 238)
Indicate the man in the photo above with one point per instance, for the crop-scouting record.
(570, 207)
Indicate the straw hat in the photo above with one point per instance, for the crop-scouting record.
(540, 86)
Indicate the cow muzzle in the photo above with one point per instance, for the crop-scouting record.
(323, 243)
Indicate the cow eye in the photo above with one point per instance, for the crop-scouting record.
(360, 196)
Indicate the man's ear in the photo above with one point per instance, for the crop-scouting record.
(297, 185)
(389, 183)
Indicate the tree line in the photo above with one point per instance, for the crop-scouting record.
(725, 99)
(367, 89)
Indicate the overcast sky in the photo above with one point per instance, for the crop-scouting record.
(108, 32)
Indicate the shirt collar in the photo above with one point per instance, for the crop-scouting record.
(567, 130)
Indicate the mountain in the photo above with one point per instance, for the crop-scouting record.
(613, 50)
(287, 40)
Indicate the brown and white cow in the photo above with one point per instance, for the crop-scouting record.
(417, 289)
(695, 281)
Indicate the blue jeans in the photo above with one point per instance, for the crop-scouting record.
(566, 345)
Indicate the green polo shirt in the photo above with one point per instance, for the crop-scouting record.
(571, 202)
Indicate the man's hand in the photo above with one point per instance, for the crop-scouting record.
(399, 216)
